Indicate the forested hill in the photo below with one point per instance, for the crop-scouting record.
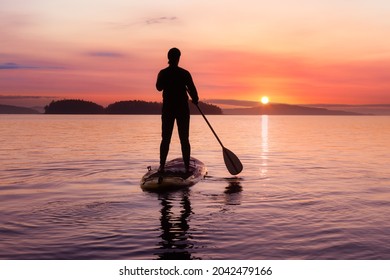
(136, 107)
(73, 106)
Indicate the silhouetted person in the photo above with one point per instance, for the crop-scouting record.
(175, 82)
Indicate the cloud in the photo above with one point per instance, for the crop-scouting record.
(233, 102)
(7, 97)
(16, 66)
(107, 54)
(159, 20)
(143, 22)
(11, 66)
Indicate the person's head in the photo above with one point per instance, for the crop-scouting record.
(174, 56)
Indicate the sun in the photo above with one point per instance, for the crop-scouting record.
(264, 100)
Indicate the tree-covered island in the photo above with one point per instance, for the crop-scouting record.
(132, 107)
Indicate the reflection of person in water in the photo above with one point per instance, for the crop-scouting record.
(177, 242)
(175, 238)
(175, 82)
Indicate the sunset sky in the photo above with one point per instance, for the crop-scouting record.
(293, 51)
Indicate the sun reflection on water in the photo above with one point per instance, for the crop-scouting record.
(264, 146)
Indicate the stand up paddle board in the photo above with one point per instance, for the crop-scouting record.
(174, 175)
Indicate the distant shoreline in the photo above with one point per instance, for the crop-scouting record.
(131, 107)
(138, 107)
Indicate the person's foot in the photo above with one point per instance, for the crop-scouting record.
(161, 169)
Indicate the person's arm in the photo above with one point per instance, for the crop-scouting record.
(160, 83)
(191, 89)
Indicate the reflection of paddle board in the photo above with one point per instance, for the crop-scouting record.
(174, 175)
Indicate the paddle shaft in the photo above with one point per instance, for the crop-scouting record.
(215, 134)
(233, 164)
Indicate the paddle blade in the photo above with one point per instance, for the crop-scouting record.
(233, 164)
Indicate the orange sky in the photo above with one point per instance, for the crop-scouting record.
(104, 51)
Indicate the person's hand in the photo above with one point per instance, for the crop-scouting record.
(195, 101)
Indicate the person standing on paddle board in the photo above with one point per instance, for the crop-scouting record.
(175, 82)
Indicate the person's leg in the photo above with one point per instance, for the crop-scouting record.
(183, 126)
(168, 122)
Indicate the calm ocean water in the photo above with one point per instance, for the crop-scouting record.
(313, 187)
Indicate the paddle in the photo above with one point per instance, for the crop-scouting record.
(233, 164)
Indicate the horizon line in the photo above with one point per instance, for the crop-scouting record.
(236, 102)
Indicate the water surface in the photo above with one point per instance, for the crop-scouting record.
(313, 187)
